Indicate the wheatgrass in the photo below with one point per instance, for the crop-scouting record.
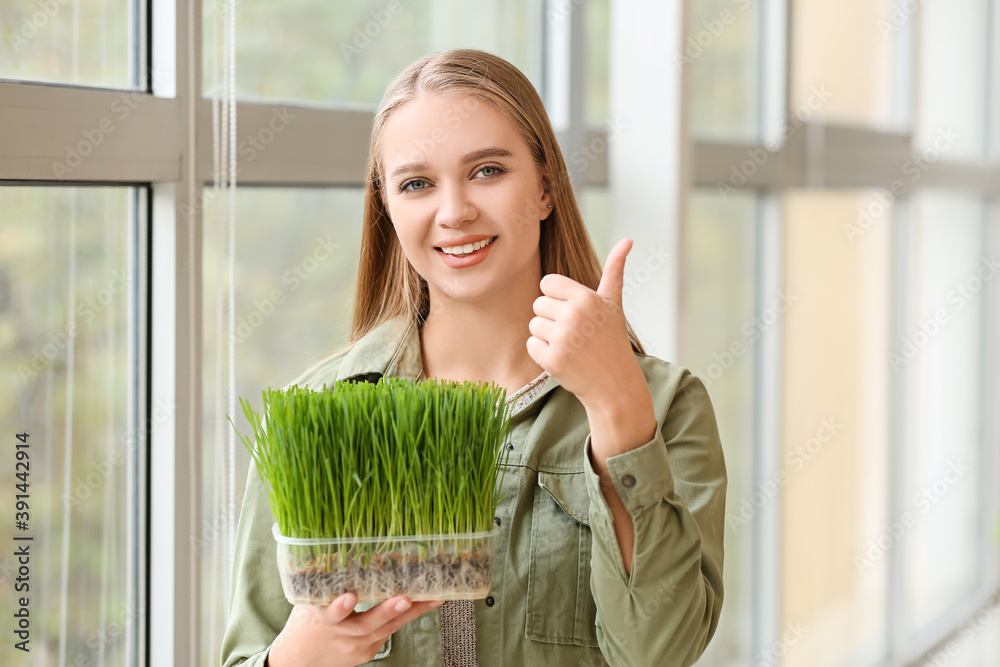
(362, 463)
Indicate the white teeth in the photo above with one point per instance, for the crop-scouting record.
(467, 248)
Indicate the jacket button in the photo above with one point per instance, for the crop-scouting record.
(427, 622)
(498, 521)
(628, 481)
(510, 445)
(490, 601)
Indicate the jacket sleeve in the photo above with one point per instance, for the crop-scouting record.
(667, 609)
(258, 609)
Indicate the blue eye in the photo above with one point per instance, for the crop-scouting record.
(498, 170)
(405, 187)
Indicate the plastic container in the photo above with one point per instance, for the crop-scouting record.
(423, 567)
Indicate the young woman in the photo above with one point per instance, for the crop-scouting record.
(476, 265)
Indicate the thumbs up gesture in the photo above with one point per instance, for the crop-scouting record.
(579, 335)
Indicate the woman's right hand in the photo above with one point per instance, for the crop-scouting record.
(336, 636)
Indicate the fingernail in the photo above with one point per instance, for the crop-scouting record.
(437, 603)
(402, 605)
(349, 602)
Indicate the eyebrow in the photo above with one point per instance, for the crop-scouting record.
(469, 157)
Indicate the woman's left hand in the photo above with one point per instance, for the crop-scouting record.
(579, 336)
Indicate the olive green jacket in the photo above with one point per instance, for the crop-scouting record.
(561, 596)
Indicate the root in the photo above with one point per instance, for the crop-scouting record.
(440, 576)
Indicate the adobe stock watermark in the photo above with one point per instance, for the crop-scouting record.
(711, 30)
(456, 114)
(249, 148)
(902, 11)
(85, 486)
(255, 143)
(923, 501)
(211, 531)
(363, 34)
(757, 157)
(751, 331)
(652, 607)
(795, 461)
(34, 23)
(585, 155)
(530, 214)
(86, 311)
(561, 10)
(643, 612)
(772, 655)
(121, 108)
(914, 168)
(960, 295)
(967, 631)
(295, 276)
(636, 277)
(219, 7)
(105, 636)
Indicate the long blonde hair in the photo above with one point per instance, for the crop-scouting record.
(388, 285)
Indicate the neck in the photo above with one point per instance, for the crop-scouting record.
(466, 341)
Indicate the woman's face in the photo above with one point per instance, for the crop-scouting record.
(457, 173)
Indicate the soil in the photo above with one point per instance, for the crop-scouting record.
(439, 576)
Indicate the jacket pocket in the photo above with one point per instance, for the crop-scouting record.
(561, 607)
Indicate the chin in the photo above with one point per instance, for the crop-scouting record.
(468, 293)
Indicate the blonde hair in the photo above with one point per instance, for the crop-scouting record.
(388, 285)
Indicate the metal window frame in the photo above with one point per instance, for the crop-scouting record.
(993, 76)
(140, 426)
(766, 535)
(990, 572)
(774, 81)
(899, 275)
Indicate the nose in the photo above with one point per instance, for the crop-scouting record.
(455, 208)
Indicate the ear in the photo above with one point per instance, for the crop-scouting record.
(547, 199)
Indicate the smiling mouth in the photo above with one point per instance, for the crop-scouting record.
(466, 254)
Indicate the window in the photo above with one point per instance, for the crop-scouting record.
(953, 97)
(71, 309)
(866, 80)
(939, 358)
(834, 424)
(80, 43)
(723, 52)
(720, 326)
(596, 64)
(348, 52)
(594, 207)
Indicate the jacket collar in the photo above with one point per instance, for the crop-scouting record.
(393, 350)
